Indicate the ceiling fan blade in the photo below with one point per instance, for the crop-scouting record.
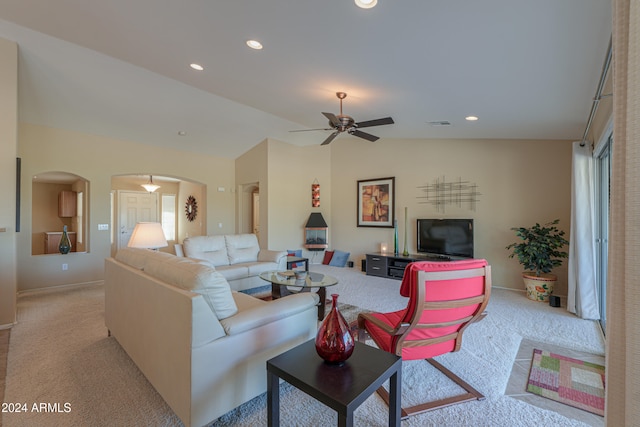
(307, 130)
(332, 119)
(378, 122)
(330, 138)
(364, 135)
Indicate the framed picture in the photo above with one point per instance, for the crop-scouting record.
(376, 199)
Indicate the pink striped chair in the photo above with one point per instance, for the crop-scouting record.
(444, 299)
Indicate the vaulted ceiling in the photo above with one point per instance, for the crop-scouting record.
(120, 68)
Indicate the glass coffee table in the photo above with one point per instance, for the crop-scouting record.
(283, 281)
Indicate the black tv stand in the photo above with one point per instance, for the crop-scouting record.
(392, 266)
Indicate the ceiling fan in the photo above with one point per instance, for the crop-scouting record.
(343, 123)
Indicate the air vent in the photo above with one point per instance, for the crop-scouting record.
(440, 123)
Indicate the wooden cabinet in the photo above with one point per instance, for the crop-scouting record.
(392, 266)
(52, 241)
(67, 204)
(376, 265)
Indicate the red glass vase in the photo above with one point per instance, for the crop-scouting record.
(334, 342)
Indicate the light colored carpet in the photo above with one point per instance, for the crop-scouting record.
(59, 352)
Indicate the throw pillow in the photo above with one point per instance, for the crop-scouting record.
(296, 253)
(339, 258)
(327, 257)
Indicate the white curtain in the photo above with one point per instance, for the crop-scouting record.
(582, 298)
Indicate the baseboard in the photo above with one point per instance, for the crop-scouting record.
(59, 287)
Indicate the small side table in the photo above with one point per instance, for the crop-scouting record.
(291, 260)
(342, 388)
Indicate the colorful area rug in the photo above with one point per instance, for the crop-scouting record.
(569, 381)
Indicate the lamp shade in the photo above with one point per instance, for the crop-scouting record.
(147, 235)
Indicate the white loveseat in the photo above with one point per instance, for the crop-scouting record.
(237, 257)
(203, 347)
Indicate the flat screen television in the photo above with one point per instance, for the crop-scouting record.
(445, 237)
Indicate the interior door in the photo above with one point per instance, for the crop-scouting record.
(134, 207)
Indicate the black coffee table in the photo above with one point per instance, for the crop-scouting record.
(342, 388)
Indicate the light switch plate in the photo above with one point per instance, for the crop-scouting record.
(103, 227)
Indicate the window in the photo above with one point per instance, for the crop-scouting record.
(79, 218)
(169, 216)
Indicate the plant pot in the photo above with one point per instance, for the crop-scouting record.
(539, 287)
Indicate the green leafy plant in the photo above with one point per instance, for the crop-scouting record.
(540, 248)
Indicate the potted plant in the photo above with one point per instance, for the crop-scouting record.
(539, 250)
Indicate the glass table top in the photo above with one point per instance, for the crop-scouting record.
(288, 278)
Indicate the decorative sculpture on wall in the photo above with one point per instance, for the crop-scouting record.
(191, 208)
(315, 194)
(442, 193)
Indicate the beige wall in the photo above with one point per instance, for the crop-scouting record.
(521, 182)
(98, 159)
(181, 190)
(284, 174)
(251, 173)
(292, 170)
(198, 226)
(8, 154)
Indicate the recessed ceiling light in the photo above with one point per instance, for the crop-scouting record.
(366, 4)
(197, 67)
(182, 133)
(471, 118)
(254, 44)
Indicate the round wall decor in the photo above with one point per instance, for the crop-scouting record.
(191, 208)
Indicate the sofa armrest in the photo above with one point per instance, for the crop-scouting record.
(266, 255)
(271, 311)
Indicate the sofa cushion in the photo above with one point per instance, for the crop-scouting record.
(255, 314)
(195, 277)
(255, 268)
(233, 272)
(242, 248)
(327, 257)
(209, 248)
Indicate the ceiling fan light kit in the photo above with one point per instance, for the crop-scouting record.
(366, 4)
(343, 123)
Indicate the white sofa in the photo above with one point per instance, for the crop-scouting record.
(237, 257)
(203, 347)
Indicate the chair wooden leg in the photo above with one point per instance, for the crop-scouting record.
(471, 394)
(384, 394)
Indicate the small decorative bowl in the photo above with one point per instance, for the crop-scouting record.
(301, 275)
